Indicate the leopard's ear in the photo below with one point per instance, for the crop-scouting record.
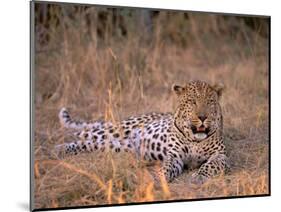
(219, 87)
(178, 89)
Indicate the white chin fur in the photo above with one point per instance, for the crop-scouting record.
(200, 136)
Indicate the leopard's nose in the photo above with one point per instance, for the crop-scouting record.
(202, 118)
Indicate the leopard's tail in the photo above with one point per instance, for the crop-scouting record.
(68, 122)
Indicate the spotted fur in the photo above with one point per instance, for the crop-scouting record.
(190, 137)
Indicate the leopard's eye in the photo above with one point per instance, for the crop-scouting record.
(191, 101)
(211, 101)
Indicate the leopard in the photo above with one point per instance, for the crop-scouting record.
(189, 138)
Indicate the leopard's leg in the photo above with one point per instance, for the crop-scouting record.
(215, 166)
(172, 166)
(97, 139)
(76, 147)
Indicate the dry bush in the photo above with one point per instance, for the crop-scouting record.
(114, 77)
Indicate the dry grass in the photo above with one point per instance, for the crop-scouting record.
(123, 77)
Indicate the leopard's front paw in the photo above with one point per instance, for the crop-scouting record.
(198, 179)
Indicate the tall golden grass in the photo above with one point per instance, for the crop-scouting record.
(115, 77)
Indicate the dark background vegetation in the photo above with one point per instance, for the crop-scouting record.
(111, 63)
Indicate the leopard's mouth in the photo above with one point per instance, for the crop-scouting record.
(200, 132)
(201, 129)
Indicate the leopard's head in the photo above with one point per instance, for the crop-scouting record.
(198, 113)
